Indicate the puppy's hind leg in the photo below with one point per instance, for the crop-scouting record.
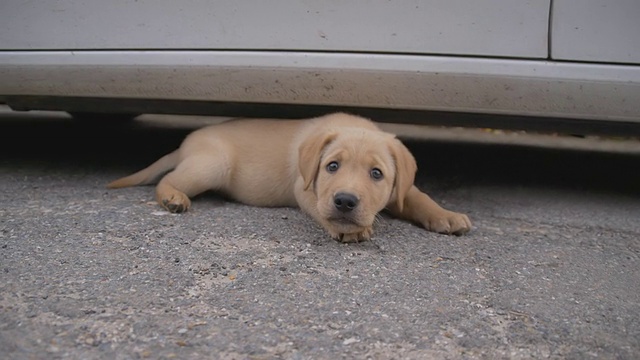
(194, 175)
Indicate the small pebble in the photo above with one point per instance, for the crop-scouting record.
(350, 341)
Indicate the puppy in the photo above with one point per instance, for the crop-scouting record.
(340, 169)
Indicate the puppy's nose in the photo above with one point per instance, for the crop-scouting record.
(345, 202)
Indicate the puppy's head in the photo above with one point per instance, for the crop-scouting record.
(355, 173)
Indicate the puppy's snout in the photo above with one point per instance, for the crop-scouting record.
(345, 202)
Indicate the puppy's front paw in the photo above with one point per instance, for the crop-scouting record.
(177, 203)
(448, 222)
(356, 237)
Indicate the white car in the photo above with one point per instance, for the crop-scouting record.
(541, 59)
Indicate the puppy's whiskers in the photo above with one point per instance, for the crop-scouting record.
(377, 220)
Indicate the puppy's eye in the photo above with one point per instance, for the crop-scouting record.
(376, 174)
(333, 166)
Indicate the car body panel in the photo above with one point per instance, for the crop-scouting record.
(484, 57)
(484, 27)
(596, 31)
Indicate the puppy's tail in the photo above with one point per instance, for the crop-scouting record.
(149, 174)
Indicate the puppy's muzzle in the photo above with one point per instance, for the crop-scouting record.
(345, 202)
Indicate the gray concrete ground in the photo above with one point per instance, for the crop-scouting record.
(550, 270)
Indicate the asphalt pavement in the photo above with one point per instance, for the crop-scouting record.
(551, 269)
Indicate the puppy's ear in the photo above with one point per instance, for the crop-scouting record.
(309, 155)
(406, 168)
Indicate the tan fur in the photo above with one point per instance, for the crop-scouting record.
(286, 163)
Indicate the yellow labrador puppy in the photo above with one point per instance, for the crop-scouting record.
(340, 169)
